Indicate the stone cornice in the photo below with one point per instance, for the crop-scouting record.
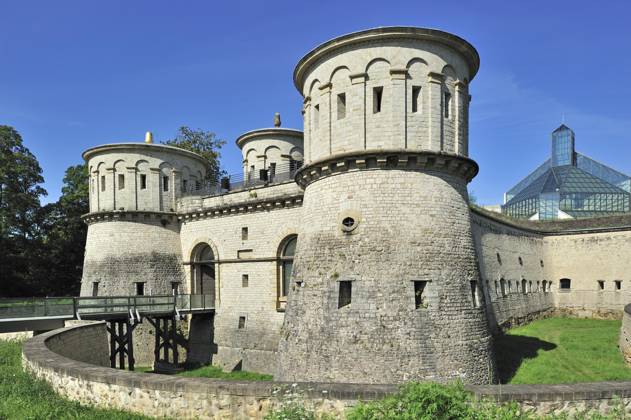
(128, 215)
(266, 132)
(139, 148)
(264, 204)
(402, 159)
(386, 34)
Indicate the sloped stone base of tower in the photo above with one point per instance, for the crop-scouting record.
(394, 297)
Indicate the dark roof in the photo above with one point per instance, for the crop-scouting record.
(562, 127)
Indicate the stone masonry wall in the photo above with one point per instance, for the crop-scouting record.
(412, 226)
(510, 259)
(252, 344)
(625, 334)
(203, 398)
(87, 342)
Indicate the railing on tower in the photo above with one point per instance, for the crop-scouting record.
(273, 174)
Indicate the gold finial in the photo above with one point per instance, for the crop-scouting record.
(148, 137)
(277, 119)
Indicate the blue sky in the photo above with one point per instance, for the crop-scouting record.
(75, 74)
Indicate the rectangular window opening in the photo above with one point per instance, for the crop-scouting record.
(377, 96)
(601, 285)
(175, 288)
(447, 104)
(245, 280)
(618, 284)
(341, 106)
(165, 183)
(244, 233)
(140, 288)
(316, 117)
(121, 181)
(346, 293)
(565, 284)
(241, 322)
(416, 99)
(95, 288)
(184, 185)
(474, 293)
(102, 182)
(420, 300)
(143, 182)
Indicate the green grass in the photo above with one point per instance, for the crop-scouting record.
(23, 398)
(561, 350)
(215, 372)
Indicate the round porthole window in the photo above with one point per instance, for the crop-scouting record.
(349, 221)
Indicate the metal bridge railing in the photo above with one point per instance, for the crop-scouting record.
(102, 306)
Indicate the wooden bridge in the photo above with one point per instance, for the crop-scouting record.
(122, 314)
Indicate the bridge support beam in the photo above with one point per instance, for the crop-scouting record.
(121, 342)
(166, 342)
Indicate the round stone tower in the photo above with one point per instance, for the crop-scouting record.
(274, 150)
(133, 245)
(385, 286)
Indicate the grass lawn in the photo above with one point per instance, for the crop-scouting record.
(215, 372)
(22, 397)
(561, 350)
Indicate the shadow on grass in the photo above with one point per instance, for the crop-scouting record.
(511, 350)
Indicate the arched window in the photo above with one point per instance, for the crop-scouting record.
(503, 287)
(203, 271)
(544, 284)
(523, 286)
(286, 264)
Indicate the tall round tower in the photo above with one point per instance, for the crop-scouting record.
(133, 245)
(385, 281)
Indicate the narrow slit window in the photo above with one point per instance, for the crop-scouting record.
(341, 106)
(601, 285)
(184, 185)
(447, 104)
(95, 288)
(377, 96)
(420, 299)
(416, 99)
(475, 293)
(316, 117)
(346, 294)
(175, 288)
(618, 284)
(245, 280)
(523, 286)
(102, 182)
(503, 287)
(241, 322)
(143, 182)
(165, 183)
(121, 181)
(244, 233)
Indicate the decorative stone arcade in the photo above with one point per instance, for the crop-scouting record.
(385, 286)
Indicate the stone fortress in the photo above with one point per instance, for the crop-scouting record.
(349, 252)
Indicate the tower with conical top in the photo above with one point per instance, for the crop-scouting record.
(385, 281)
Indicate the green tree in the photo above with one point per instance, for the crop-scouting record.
(64, 235)
(20, 212)
(204, 143)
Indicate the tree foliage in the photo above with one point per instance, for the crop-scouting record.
(204, 143)
(41, 247)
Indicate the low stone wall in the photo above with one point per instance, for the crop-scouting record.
(625, 334)
(160, 395)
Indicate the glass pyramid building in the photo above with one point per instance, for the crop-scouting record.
(568, 185)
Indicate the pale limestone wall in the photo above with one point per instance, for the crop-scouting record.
(264, 147)
(625, 334)
(133, 161)
(259, 301)
(515, 258)
(398, 63)
(87, 342)
(585, 258)
(130, 247)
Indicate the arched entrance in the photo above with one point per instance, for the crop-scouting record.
(203, 271)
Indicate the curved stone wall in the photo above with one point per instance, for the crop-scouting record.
(625, 334)
(415, 310)
(48, 356)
